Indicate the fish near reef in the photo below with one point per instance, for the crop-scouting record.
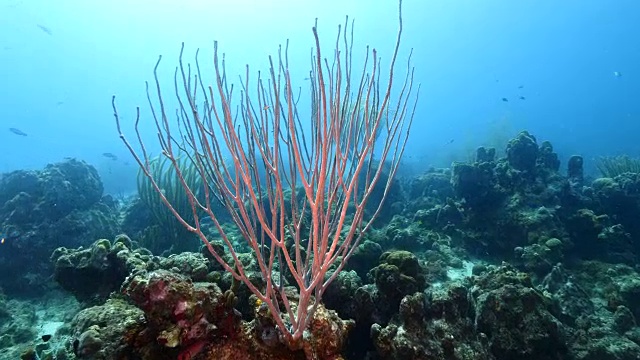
(5, 237)
(109, 155)
(45, 29)
(18, 131)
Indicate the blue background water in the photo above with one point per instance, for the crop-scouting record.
(61, 61)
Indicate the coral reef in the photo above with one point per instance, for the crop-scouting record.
(91, 274)
(498, 258)
(108, 331)
(61, 205)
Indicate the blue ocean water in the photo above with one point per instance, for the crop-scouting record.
(462, 253)
(568, 71)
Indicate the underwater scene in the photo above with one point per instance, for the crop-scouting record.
(319, 180)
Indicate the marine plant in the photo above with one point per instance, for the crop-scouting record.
(166, 233)
(612, 166)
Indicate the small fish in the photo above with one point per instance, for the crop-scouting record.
(505, 99)
(206, 220)
(617, 74)
(45, 29)
(4, 237)
(522, 98)
(60, 103)
(521, 87)
(18, 132)
(110, 156)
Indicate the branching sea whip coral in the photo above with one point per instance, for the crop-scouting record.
(296, 191)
